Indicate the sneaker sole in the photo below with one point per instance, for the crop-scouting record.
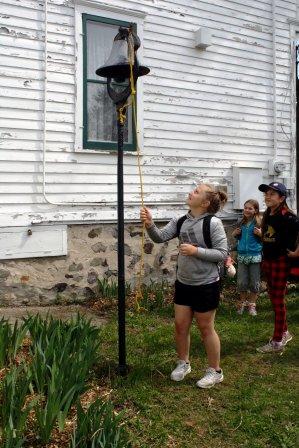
(181, 379)
(288, 340)
(212, 385)
(270, 353)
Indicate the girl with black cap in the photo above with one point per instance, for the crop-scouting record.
(280, 229)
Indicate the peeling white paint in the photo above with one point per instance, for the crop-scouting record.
(203, 110)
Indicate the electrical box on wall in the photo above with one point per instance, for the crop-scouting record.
(221, 187)
(245, 185)
(203, 38)
(35, 241)
(276, 167)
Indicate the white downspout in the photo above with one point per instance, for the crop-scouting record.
(274, 80)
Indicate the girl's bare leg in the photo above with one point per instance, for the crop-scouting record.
(205, 322)
(183, 321)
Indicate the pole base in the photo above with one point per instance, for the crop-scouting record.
(122, 370)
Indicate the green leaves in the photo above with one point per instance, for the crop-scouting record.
(99, 427)
(14, 406)
(11, 339)
(108, 288)
(62, 356)
(154, 296)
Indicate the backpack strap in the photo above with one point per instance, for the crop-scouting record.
(206, 230)
(179, 224)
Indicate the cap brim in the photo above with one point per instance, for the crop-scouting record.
(264, 187)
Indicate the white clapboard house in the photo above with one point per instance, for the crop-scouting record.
(219, 105)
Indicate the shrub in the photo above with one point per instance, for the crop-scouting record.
(11, 339)
(14, 410)
(99, 427)
(62, 356)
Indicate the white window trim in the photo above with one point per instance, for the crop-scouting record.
(102, 10)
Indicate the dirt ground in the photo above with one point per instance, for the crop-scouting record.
(58, 312)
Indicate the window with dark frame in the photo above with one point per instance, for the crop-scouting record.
(99, 112)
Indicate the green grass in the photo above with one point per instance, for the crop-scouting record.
(256, 406)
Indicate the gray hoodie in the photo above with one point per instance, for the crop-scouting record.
(202, 268)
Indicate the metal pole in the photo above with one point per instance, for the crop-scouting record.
(121, 252)
(122, 72)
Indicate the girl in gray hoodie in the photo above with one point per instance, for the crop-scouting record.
(197, 289)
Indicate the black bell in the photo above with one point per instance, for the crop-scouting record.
(117, 66)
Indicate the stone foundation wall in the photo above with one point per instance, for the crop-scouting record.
(92, 255)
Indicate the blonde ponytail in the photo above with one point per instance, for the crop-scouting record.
(217, 199)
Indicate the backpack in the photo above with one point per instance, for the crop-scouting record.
(206, 230)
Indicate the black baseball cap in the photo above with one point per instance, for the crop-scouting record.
(276, 186)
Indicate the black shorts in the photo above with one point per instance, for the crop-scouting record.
(201, 298)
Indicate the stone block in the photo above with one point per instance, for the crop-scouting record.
(76, 267)
(99, 247)
(92, 277)
(95, 232)
(135, 259)
(92, 234)
(4, 274)
(148, 247)
(110, 273)
(96, 262)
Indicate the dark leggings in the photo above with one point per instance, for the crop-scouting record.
(276, 272)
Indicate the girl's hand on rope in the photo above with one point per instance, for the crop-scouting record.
(188, 249)
(146, 217)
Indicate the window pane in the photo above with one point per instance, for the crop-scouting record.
(99, 43)
(101, 116)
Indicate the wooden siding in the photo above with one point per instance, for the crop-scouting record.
(204, 111)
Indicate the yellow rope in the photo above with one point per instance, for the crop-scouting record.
(122, 113)
(138, 294)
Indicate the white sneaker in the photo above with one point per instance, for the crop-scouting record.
(241, 308)
(252, 309)
(286, 337)
(182, 369)
(210, 378)
(271, 347)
